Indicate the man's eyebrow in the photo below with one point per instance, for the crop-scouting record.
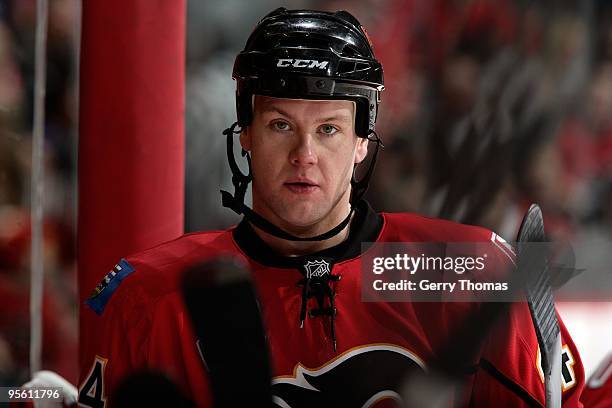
(274, 109)
(343, 117)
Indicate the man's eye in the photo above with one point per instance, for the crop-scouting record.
(328, 129)
(280, 125)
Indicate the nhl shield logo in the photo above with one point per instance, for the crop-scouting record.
(317, 269)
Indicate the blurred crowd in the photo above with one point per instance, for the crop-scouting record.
(17, 29)
(490, 105)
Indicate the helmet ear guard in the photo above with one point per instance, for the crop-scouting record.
(302, 54)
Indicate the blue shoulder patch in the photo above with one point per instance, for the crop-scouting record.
(104, 290)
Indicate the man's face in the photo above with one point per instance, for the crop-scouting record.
(303, 154)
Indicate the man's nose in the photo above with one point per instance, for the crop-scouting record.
(303, 153)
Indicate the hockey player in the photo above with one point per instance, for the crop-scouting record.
(308, 88)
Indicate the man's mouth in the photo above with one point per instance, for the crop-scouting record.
(301, 186)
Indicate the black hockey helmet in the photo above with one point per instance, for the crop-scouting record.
(305, 54)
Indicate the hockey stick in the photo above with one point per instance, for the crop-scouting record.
(541, 304)
(223, 307)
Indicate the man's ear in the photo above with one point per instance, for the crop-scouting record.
(245, 139)
(362, 149)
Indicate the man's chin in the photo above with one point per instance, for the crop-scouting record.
(300, 219)
(297, 217)
(300, 223)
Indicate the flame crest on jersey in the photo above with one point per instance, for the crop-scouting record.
(368, 376)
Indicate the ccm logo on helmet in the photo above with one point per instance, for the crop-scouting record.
(301, 63)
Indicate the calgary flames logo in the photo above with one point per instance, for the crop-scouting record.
(364, 377)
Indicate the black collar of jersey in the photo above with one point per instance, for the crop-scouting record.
(365, 227)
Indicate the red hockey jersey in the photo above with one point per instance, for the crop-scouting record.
(145, 324)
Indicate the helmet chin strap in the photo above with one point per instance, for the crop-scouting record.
(241, 182)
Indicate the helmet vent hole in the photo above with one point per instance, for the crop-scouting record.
(350, 52)
(361, 66)
(346, 67)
